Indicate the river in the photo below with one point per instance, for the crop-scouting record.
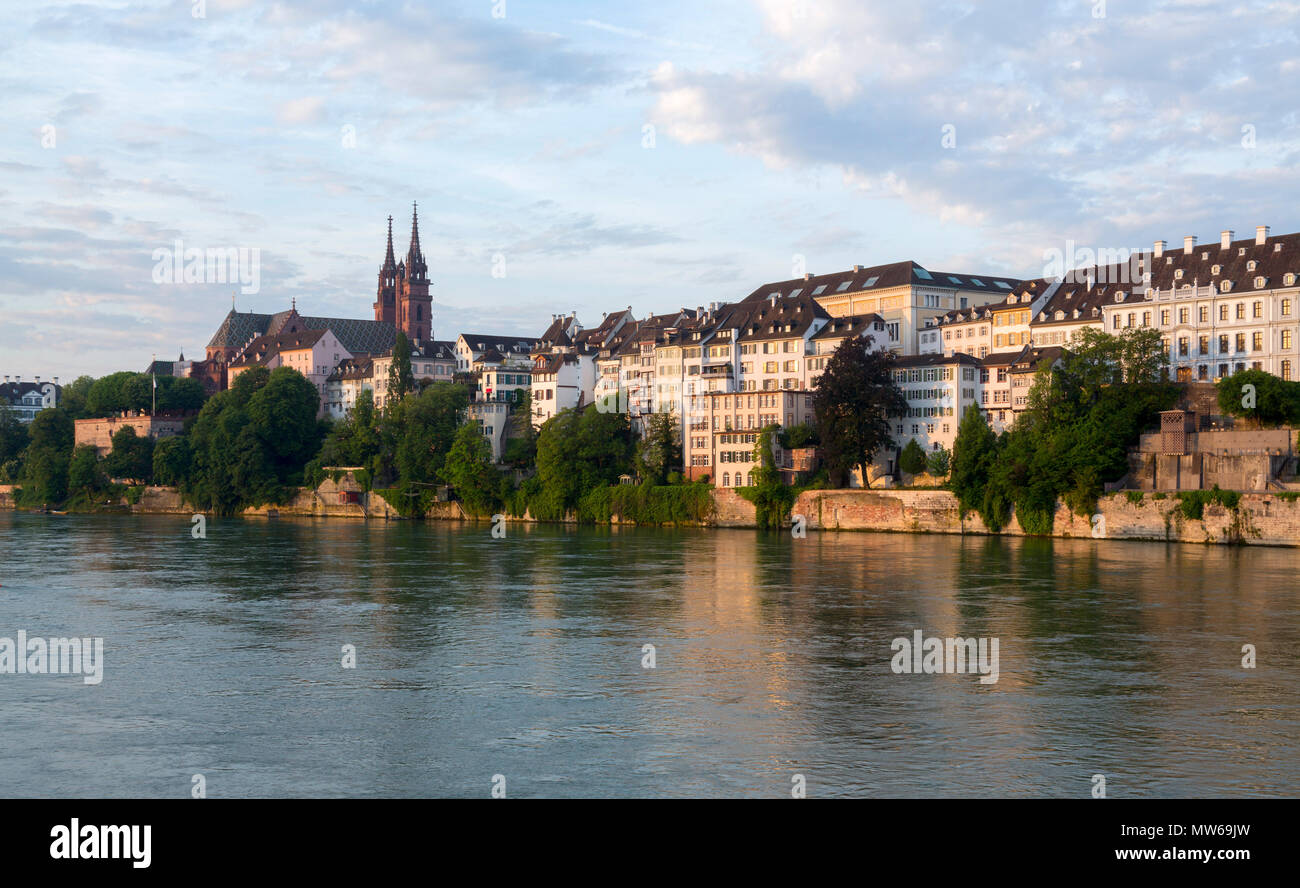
(524, 661)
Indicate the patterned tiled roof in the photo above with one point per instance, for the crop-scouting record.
(357, 336)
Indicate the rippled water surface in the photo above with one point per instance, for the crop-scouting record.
(523, 657)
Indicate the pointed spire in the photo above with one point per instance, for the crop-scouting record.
(415, 267)
(389, 261)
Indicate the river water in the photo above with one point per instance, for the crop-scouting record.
(523, 661)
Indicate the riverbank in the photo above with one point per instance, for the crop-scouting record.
(1255, 519)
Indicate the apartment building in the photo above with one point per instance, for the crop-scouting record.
(1220, 308)
(430, 362)
(904, 294)
(1073, 306)
(869, 330)
(724, 426)
(938, 389)
(342, 387)
(986, 329)
(493, 418)
(471, 347)
(313, 353)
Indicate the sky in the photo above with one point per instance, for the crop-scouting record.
(588, 157)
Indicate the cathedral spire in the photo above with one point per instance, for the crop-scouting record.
(415, 267)
(389, 261)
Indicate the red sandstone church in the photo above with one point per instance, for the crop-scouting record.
(402, 302)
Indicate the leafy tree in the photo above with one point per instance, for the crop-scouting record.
(44, 479)
(52, 429)
(576, 452)
(131, 457)
(1275, 400)
(73, 397)
(853, 401)
(470, 471)
(172, 461)
(85, 475)
(802, 435)
(912, 459)
(401, 379)
(660, 448)
(521, 438)
(974, 454)
(13, 433)
(938, 462)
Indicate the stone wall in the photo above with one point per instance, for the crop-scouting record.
(1259, 519)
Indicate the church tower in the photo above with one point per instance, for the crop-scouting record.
(414, 305)
(386, 296)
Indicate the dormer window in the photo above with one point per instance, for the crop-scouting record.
(1169, 260)
(1259, 282)
(1225, 286)
(1178, 275)
(1060, 315)
(1241, 251)
(1119, 297)
(1215, 269)
(1288, 279)
(1250, 266)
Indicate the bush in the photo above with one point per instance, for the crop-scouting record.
(912, 459)
(1134, 496)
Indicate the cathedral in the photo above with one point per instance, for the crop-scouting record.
(402, 302)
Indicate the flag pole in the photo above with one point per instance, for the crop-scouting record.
(153, 372)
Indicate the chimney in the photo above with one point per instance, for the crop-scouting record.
(1189, 243)
(857, 268)
(1261, 234)
(772, 299)
(56, 380)
(1225, 239)
(807, 275)
(1160, 249)
(38, 379)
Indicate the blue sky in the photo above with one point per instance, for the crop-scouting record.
(781, 130)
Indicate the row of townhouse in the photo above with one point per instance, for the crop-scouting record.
(1219, 308)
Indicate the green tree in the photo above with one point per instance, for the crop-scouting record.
(912, 459)
(1263, 397)
(401, 379)
(854, 399)
(469, 470)
(52, 429)
(44, 479)
(577, 452)
(131, 457)
(521, 437)
(660, 449)
(938, 462)
(85, 475)
(73, 397)
(13, 433)
(172, 461)
(973, 455)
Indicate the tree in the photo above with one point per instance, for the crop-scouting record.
(938, 462)
(85, 476)
(469, 470)
(578, 452)
(131, 457)
(802, 435)
(13, 433)
(1269, 400)
(44, 475)
(912, 459)
(854, 399)
(53, 429)
(401, 379)
(521, 438)
(73, 397)
(660, 449)
(973, 454)
(172, 461)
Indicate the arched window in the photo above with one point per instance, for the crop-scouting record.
(419, 312)
(726, 479)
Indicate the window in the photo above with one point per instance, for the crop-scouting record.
(1286, 338)
(1257, 310)
(1286, 307)
(1286, 370)
(1164, 317)
(1204, 314)
(1257, 342)
(1183, 315)
(1205, 345)
(1223, 343)
(1182, 346)
(1223, 312)
(1241, 342)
